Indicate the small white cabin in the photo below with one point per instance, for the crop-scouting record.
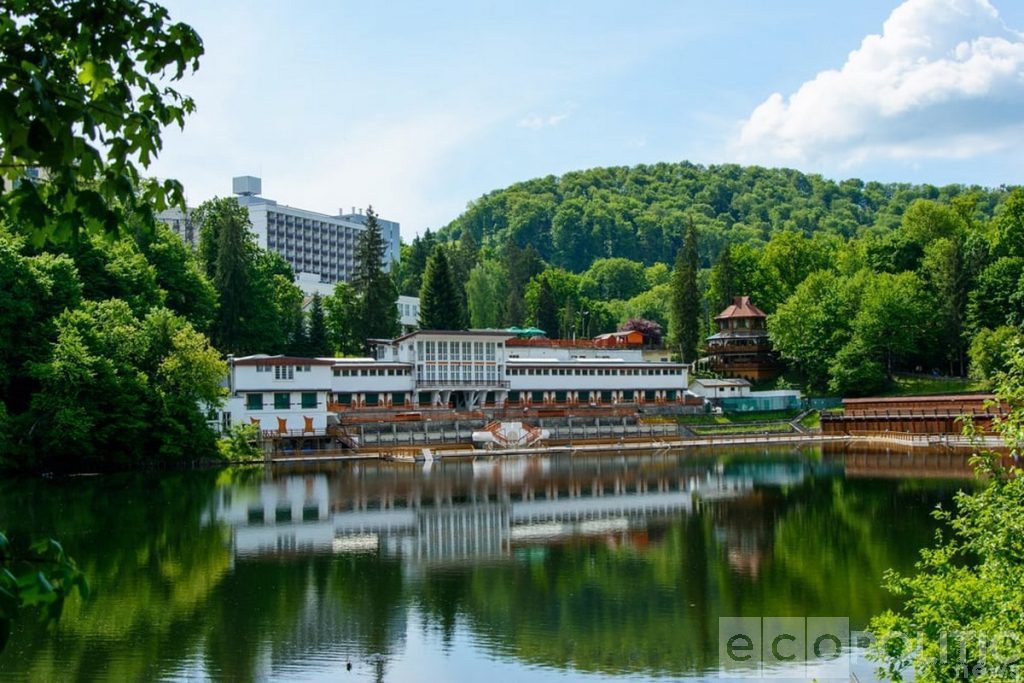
(720, 388)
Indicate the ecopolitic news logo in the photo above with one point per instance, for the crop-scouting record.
(784, 647)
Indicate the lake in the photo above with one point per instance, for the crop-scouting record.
(526, 569)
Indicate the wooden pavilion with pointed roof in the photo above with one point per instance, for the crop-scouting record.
(741, 347)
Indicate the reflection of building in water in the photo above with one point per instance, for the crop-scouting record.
(472, 511)
(745, 526)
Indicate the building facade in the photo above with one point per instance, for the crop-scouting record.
(741, 347)
(464, 370)
(319, 247)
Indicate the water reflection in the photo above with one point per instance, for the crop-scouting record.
(524, 567)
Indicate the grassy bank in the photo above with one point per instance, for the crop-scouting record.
(915, 385)
(739, 418)
(723, 430)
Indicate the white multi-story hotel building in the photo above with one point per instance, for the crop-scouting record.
(319, 247)
(466, 369)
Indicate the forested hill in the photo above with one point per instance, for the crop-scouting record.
(641, 212)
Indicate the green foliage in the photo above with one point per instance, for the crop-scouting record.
(963, 608)
(38, 575)
(414, 262)
(343, 332)
(521, 264)
(992, 350)
(440, 302)
(374, 287)
(613, 278)
(84, 98)
(124, 390)
(260, 307)
(855, 371)
(241, 443)
(686, 299)
(317, 341)
(640, 212)
(998, 297)
(1009, 225)
(484, 295)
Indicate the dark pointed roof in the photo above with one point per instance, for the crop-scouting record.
(741, 308)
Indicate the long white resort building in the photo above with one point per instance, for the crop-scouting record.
(466, 370)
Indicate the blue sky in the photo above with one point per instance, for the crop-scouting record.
(418, 108)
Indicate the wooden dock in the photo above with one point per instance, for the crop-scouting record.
(419, 454)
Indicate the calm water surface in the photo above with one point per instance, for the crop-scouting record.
(513, 569)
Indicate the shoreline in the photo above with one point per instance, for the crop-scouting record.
(426, 453)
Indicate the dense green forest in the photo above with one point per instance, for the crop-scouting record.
(861, 279)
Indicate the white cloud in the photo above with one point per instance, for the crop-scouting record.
(944, 79)
(536, 122)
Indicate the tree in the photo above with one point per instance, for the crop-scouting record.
(484, 294)
(225, 221)
(374, 288)
(123, 389)
(686, 298)
(893, 320)
(188, 291)
(948, 276)
(342, 321)
(991, 303)
(287, 306)
(545, 314)
(961, 613)
(86, 91)
(318, 344)
(723, 276)
(414, 262)
(521, 265)
(1009, 224)
(613, 278)
(810, 328)
(440, 303)
(992, 350)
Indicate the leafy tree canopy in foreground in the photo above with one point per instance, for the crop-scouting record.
(83, 100)
(964, 608)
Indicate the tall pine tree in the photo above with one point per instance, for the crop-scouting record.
(686, 298)
(723, 281)
(546, 317)
(373, 286)
(227, 249)
(440, 301)
(317, 336)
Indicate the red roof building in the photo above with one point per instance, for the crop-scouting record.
(741, 347)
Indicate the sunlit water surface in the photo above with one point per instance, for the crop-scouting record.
(525, 569)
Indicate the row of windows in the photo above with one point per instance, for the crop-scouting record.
(601, 372)
(284, 371)
(456, 351)
(457, 373)
(282, 401)
(382, 372)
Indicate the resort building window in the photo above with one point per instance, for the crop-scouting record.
(284, 372)
(308, 400)
(254, 401)
(282, 401)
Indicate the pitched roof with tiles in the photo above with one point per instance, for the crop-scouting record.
(741, 308)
